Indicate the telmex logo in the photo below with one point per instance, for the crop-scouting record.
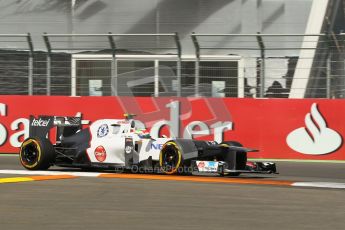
(316, 138)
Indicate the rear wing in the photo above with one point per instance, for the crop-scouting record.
(41, 125)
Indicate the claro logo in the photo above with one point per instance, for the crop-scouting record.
(316, 138)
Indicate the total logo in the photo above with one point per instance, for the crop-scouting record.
(316, 138)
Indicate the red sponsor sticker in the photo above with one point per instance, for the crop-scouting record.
(201, 165)
(251, 164)
(100, 153)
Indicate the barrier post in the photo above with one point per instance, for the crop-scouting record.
(47, 43)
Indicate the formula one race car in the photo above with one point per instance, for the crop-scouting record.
(116, 144)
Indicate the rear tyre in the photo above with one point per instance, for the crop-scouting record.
(228, 144)
(37, 153)
(170, 158)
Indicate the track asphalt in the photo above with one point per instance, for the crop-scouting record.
(71, 199)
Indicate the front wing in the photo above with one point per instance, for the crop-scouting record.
(221, 167)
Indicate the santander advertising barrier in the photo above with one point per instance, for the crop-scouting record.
(279, 128)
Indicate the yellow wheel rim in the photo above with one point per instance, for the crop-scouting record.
(174, 170)
(22, 149)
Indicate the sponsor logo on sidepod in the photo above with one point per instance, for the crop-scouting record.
(316, 138)
(103, 130)
(100, 153)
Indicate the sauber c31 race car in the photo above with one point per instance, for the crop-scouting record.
(116, 144)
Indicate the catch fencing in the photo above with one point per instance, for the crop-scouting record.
(223, 65)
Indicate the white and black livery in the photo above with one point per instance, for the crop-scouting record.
(116, 144)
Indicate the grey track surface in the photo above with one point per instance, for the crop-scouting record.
(100, 203)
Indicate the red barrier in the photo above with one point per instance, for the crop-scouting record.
(280, 128)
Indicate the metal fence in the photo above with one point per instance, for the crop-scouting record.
(283, 65)
(223, 65)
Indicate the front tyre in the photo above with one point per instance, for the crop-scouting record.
(36, 153)
(170, 158)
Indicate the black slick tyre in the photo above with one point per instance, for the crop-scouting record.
(36, 153)
(170, 158)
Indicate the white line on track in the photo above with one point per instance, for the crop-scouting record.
(95, 174)
(319, 185)
(47, 173)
